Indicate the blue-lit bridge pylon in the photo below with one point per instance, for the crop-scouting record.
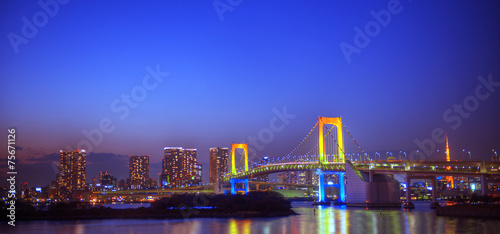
(340, 185)
(234, 181)
(339, 145)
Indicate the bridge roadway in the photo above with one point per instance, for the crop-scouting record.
(168, 192)
(153, 192)
(451, 168)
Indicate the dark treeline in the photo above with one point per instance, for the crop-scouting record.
(265, 201)
(255, 204)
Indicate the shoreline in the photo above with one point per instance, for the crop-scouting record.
(256, 204)
(481, 211)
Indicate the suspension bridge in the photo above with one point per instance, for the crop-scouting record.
(323, 151)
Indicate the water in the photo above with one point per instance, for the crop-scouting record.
(310, 220)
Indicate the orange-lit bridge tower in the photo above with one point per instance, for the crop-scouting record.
(337, 124)
(234, 181)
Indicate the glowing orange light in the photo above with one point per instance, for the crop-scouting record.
(337, 122)
(235, 146)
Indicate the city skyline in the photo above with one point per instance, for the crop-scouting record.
(130, 79)
(125, 173)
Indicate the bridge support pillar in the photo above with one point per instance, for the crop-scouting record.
(247, 187)
(239, 181)
(408, 204)
(321, 191)
(434, 203)
(484, 186)
(233, 187)
(341, 187)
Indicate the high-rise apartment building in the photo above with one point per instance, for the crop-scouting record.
(172, 167)
(218, 163)
(71, 177)
(139, 171)
(180, 168)
(189, 168)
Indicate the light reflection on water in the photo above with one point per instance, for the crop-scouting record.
(311, 220)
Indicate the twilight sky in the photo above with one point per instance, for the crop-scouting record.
(199, 74)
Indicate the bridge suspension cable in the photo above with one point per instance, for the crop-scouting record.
(261, 159)
(309, 147)
(355, 142)
(303, 140)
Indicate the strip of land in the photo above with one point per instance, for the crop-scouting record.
(256, 204)
(484, 211)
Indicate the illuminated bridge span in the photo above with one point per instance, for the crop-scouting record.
(453, 168)
(324, 151)
(283, 167)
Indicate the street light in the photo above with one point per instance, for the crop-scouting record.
(404, 153)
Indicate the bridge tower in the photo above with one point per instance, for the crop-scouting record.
(235, 146)
(337, 123)
(233, 181)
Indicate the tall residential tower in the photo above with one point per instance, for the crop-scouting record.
(218, 163)
(71, 177)
(139, 171)
(180, 168)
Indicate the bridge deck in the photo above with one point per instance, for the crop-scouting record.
(459, 168)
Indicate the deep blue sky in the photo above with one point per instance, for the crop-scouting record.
(226, 77)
